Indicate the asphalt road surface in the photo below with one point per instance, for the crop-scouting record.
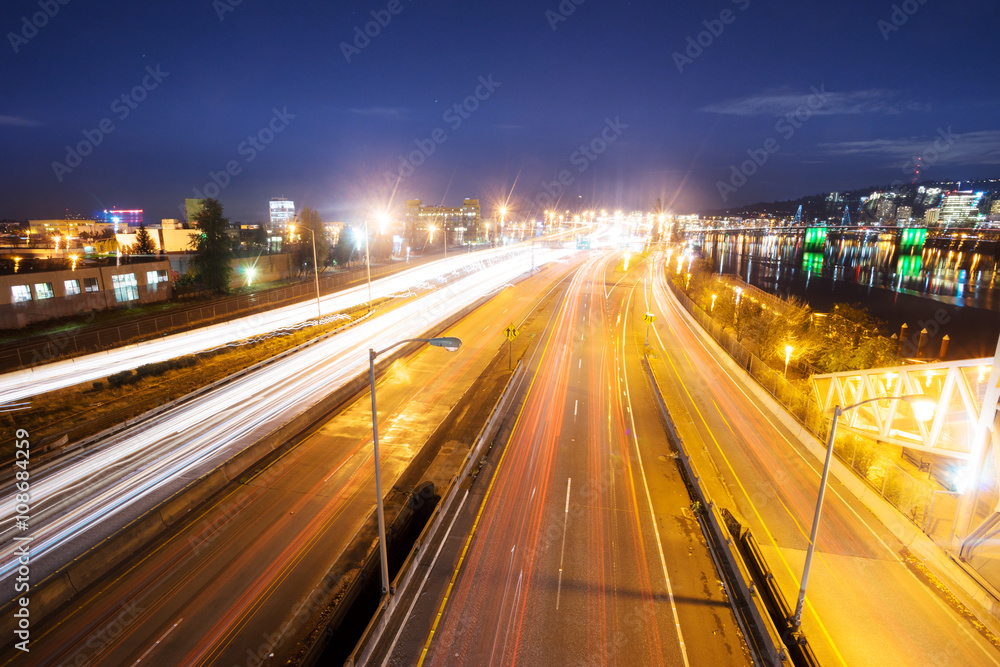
(230, 586)
(865, 605)
(584, 550)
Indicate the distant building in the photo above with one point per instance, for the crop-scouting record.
(122, 220)
(886, 208)
(65, 228)
(27, 298)
(282, 212)
(904, 213)
(170, 223)
(927, 197)
(459, 222)
(960, 208)
(995, 211)
(931, 216)
(834, 202)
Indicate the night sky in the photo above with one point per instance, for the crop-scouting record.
(266, 89)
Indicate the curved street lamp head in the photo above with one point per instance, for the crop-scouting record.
(449, 343)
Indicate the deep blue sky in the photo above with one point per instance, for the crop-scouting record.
(888, 95)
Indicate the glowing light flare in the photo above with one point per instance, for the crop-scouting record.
(923, 409)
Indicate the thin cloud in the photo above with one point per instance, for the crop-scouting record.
(830, 103)
(947, 148)
(386, 113)
(17, 121)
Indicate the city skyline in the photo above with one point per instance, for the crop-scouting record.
(704, 107)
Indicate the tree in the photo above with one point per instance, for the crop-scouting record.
(346, 247)
(212, 247)
(144, 242)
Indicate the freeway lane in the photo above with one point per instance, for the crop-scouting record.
(571, 560)
(81, 500)
(231, 581)
(864, 604)
(25, 383)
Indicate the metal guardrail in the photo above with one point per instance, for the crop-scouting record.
(760, 630)
(60, 445)
(369, 638)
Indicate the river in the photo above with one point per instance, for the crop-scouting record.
(948, 286)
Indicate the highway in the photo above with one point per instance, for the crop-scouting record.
(236, 581)
(81, 499)
(865, 605)
(25, 383)
(584, 550)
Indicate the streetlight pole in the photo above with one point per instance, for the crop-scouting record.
(319, 309)
(796, 620)
(449, 343)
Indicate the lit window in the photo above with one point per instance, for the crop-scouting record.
(126, 287)
(153, 277)
(91, 285)
(72, 287)
(19, 293)
(43, 291)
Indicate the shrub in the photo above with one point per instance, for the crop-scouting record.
(120, 379)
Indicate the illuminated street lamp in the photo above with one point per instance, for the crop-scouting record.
(788, 356)
(250, 272)
(72, 259)
(923, 410)
(713, 303)
(449, 343)
(291, 230)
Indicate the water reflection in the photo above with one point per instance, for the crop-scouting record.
(960, 271)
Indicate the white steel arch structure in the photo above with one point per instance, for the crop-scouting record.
(964, 428)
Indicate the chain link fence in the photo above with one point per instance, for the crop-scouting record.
(913, 497)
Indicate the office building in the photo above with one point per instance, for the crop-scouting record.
(960, 208)
(282, 212)
(461, 223)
